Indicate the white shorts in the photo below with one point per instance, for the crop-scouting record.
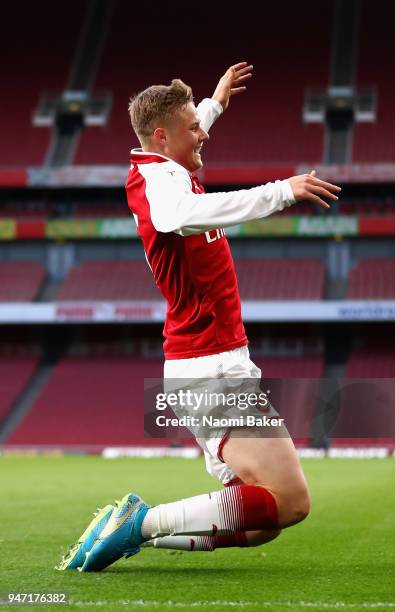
(230, 364)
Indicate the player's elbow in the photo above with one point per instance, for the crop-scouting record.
(164, 226)
(176, 227)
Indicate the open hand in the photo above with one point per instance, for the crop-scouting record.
(309, 187)
(231, 83)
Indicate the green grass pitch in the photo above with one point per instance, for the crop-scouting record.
(341, 557)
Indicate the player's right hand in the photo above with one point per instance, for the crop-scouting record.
(307, 187)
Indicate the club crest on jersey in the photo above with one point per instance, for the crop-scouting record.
(213, 235)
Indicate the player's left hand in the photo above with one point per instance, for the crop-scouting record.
(231, 83)
(312, 189)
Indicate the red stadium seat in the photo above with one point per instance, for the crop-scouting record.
(372, 279)
(20, 281)
(294, 384)
(280, 279)
(109, 280)
(368, 398)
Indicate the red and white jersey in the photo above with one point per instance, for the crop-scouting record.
(182, 230)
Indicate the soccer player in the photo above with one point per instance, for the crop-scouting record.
(181, 229)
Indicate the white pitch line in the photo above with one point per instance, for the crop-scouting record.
(143, 603)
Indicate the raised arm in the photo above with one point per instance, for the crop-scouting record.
(231, 83)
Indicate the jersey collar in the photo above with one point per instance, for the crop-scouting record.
(138, 156)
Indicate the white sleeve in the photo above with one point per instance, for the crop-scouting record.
(208, 110)
(175, 208)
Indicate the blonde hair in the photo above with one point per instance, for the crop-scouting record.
(157, 104)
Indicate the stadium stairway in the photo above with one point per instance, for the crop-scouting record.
(329, 398)
(87, 56)
(26, 380)
(339, 123)
(89, 403)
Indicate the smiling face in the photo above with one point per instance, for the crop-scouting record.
(183, 138)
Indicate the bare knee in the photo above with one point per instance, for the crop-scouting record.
(273, 465)
(293, 507)
(293, 502)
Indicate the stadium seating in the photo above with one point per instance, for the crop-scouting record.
(280, 279)
(301, 208)
(367, 206)
(305, 366)
(258, 280)
(90, 210)
(367, 401)
(20, 281)
(38, 209)
(90, 402)
(372, 361)
(374, 142)
(15, 373)
(294, 384)
(109, 280)
(25, 210)
(37, 57)
(372, 279)
(96, 401)
(265, 125)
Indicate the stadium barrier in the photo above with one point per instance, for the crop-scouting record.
(151, 311)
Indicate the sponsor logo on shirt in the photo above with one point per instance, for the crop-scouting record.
(213, 235)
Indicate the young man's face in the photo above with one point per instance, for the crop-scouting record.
(185, 137)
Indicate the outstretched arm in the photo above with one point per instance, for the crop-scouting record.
(174, 208)
(232, 82)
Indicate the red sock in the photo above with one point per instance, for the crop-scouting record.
(259, 508)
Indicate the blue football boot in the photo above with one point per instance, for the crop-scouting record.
(77, 553)
(121, 537)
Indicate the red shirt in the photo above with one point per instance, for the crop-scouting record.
(195, 273)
